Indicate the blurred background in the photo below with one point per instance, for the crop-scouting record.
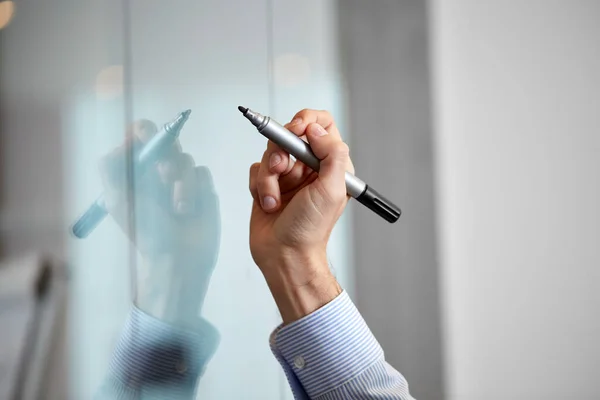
(481, 119)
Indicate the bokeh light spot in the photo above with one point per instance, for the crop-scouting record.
(291, 69)
(109, 82)
(7, 11)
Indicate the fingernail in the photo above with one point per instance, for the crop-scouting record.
(318, 130)
(269, 202)
(274, 160)
(183, 207)
(296, 121)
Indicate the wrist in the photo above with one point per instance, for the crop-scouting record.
(301, 284)
(172, 288)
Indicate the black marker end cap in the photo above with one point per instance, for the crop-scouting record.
(380, 205)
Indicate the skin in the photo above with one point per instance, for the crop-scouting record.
(174, 224)
(294, 212)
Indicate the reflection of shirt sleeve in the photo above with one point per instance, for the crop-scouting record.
(155, 360)
(331, 354)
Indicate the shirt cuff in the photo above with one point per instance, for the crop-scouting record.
(327, 348)
(153, 356)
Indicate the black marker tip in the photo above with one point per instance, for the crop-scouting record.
(243, 110)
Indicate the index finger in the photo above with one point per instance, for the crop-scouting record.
(305, 117)
(113, 166)
(141, 130)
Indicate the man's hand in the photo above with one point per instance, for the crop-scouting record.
(294, 212)
(175, 225)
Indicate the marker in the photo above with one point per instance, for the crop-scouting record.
(149, 154)
(297, 147)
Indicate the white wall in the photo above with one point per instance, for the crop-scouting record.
(517, 146)
(386, 68)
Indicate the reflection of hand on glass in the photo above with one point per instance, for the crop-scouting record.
(175, 225)
(324, 345)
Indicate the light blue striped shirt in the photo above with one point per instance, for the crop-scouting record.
(331, 354)
(328, 355)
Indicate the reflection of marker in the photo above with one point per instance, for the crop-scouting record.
(302, 151)
(149, 154)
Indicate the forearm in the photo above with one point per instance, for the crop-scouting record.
(173, 289)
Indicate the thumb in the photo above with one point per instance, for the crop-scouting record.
(335, 159)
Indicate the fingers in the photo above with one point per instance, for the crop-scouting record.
(304, 118)
(335, 161)
(277, 174)
(185, 186)
(207, 208)
(142, 130)
(253, 181)
(274, 163)
(113, 166)
(279, 160)
(204, 180)
(138, 135)
(287, 182)
(171, 164)
(264, 177)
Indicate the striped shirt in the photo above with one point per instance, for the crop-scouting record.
(331, 354)
(328, 355)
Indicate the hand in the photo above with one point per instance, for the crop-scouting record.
(294, 212)
(175, 226)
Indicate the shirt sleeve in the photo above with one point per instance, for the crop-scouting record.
(155, 360)
(331, 354)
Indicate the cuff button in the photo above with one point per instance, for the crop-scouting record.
(181, 367)
(299, 362)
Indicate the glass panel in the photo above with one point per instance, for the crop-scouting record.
(62, 109)
(206, 58)
(203, 57)
(154, 231)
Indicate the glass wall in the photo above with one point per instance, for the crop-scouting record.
(87, 88)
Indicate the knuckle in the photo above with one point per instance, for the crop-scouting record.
(254, 168)
(303, 113)
(277, 162)
(203, 172)
(326, 113)
(265, 157)
(341, 150)
(262, 185)
(252, 188)
(187, 160)
(253, 192)
(254, 172)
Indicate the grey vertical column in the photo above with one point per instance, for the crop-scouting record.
(385, 60)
